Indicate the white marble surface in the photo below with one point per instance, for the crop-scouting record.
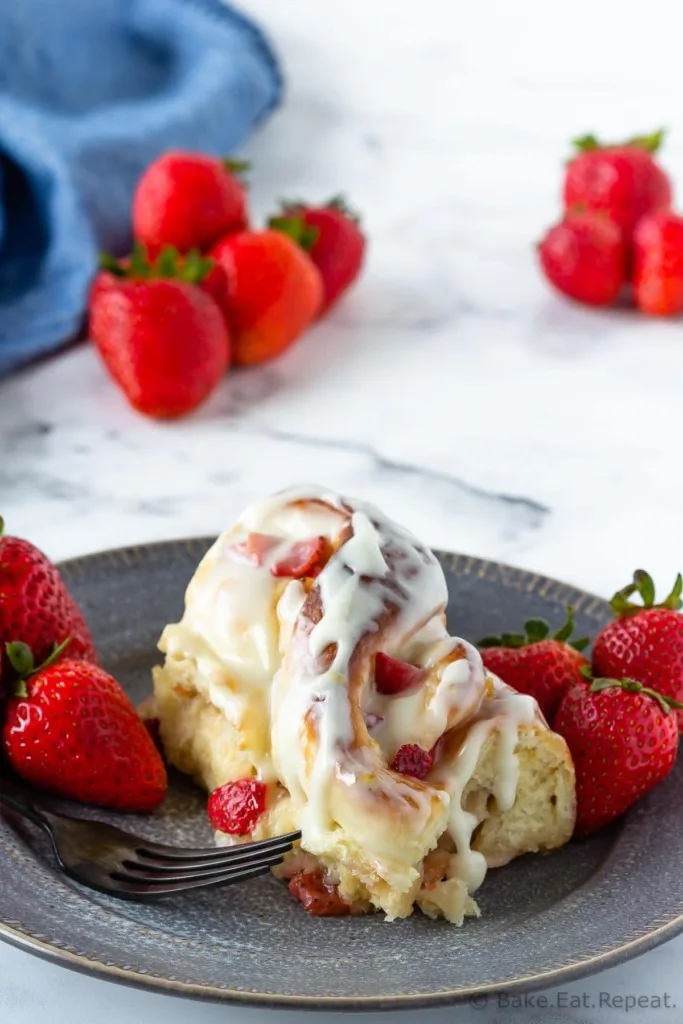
(452, 387)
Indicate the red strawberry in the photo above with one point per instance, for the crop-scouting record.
(412, 760)
(332, 237)
(273, 293)
(645, 641)
(236, 807)
(318, 897)
(160, 331)
(623, 741)
(623, 181)
(584, 257)
(393, 677)
(534, 663)
(35, 606)
(253, 549)
(658, 264)
(72, 730)
(188, 200)
(306, 558)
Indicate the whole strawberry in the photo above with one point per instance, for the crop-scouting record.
(160, 331)
(623, 180)
(623, 740)
(585, 258)
(274, 292)
(188, 200)
(543, 666)
(645, 641)
(71, 729)
(332, 237)
(658, 264)
(35, 605)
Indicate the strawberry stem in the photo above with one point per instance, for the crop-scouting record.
(535, 631)
(644, 586)
(650, 143)
(294, 226)
(630, 686)
(170, 265)
(110, 263)
(237, 167)
(2, 526)
(23, 662)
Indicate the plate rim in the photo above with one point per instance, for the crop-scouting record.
(513, 577)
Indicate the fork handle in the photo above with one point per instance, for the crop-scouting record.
(14, 799)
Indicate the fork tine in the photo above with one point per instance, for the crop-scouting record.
(143, 890)
(229, 855)
(133, 871)
(158, 851)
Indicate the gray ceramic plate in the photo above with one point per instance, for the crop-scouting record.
(545, 920)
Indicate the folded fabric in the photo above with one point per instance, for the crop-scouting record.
(90, 92)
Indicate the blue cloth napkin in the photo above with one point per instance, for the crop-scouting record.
(90, 92)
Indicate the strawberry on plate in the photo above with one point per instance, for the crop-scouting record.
(623, 740)
(658, 264)
(332, 237)
(189, 200)
(623, 181)
(71, 729)
(645, 640)
(585, 258)
(274, 292)
(533, 662)
(35, 605)
(159, 330)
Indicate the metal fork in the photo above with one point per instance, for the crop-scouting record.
(121, 864)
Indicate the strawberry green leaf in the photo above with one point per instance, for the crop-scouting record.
(340, 203)
(108, 262)
(22, 661)
(536, 629)
(584, 143)
(652, 142)
(514, 640)
(237, 167)
(600, 684)
(20, 658)
(166, 264)
(490, 641)
(295, 227)
(565, 631)
(139, 262)
(644, 586)
(196, 267)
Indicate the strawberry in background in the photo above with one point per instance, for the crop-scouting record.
(159, 329)
(36, 608)
(621, 180)
(585, 258)
(273, 293)
(658, 264)
(331, 235)
(189, 201)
